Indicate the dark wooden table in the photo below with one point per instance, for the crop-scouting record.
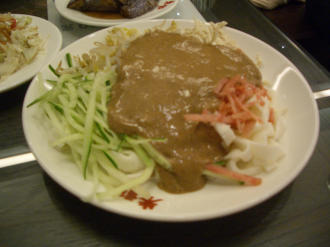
(35, 211)
(300, 23)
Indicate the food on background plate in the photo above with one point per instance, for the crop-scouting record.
(126, 8)
(90, 5)
(20, 43)
(172, 105)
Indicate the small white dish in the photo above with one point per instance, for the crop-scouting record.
(291, 90)
(53, 42)
(79, 17)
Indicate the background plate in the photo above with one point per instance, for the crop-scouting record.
(53, 42)
(291, 91)
(77, 16)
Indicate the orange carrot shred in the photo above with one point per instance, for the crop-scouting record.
(272, 116)
(220, 85)
(235, 105)
(245, 179)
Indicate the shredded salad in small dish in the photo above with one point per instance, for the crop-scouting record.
(20, 43)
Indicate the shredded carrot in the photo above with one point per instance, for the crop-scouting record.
(205, 117)
(235, 106)
(272, 116)
(13, 23)
(220, 85)
(244, 179)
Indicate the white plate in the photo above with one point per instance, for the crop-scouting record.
(291, 90)
(77, 16)
(48, 32)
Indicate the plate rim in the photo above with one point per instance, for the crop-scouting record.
(52, 53)
(98, 22)
(199, 217)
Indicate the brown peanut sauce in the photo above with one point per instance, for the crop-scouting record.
(163, 76)
(103, 15)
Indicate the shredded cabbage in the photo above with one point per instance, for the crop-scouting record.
(20, 43)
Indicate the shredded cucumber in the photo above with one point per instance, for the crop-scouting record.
(76, 107)
(129, 185)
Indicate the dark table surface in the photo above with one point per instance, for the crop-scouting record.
(35, 211)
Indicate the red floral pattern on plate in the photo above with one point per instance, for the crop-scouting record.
(145, 203)
(148, 203)
(129, 195)
(165, 4)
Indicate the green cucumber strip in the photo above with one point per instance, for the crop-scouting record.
(110, 169)
(86, 158)
(89, 120)
(68, 59)
(110, 159)
(81, 104)
(151, 151)
(157, 156)
(68, 138)
(103, 135)
(53, 117)
(72, 95)
(215, 175)
(57, 107)
(88, 130)
(107, 179)
(220, 163)
(53, 82)
(141, 153)
(53, 70)
(42, 97)
(78, 77)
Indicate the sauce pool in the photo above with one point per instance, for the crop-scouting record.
(103, 15)
(162, 77)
